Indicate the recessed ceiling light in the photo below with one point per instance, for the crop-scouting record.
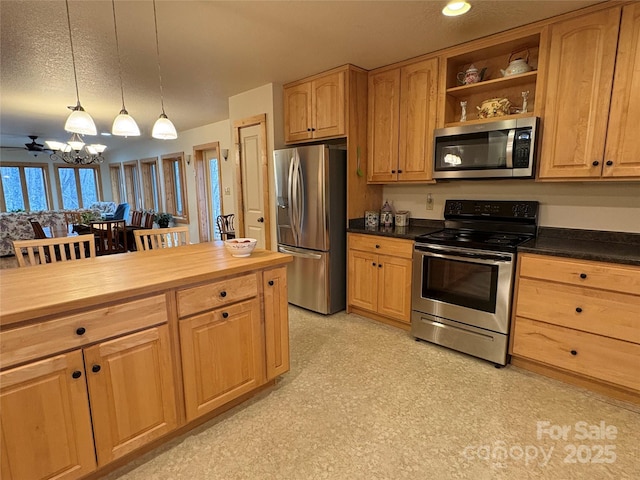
(455, 8)
(105, 134)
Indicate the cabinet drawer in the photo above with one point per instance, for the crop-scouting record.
(42, 339)
(611, 314)
(382, 245)
(607, 276)
(604, 358)
(216, 294)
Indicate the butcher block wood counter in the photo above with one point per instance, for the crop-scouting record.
(103, 359)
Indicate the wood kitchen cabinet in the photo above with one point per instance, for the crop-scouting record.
(315, 109)
(579, 320)
(379, 278)
(402, 117)
(276, 321)
(592, 105)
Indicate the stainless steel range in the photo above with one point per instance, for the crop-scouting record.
(463, 276)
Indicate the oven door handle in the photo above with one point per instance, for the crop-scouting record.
(482, 257)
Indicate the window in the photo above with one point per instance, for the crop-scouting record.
(115, 174)
(131, 184)
(150, 184)
(24, 186)
(78, 186)
(175, 187)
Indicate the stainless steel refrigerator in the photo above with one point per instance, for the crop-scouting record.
(311, 222)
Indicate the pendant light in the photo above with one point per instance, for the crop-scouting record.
(79, 121)
(163, 129)
(124, 125)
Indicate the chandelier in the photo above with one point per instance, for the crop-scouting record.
(75, 152)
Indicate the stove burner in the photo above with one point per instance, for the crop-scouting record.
(500, 241)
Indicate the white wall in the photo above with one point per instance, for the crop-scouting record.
(268, 100)
(611, 206)
(187, 139)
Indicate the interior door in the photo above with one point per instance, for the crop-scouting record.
(253, 193)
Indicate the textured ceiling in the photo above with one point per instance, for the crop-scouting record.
(209, 51)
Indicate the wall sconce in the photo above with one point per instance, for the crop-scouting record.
(225, 153)
(188, 159)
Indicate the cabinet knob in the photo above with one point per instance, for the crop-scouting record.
(574, 352)
(96, 368)
(80, 331)
(270, 283)
(377, 246)
(76, 374)
(223, 293)
(261, 220)
(393, 171)
(609, 163)
(583, 275)
(399, 171)
(313, 129)
(373, 263)
(308, 129)
(379, 265)
(578, 310)
(225, 315)
(595, 163)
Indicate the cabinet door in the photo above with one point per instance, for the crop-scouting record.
(623, 142)
(363, 280)
(394, 288)
(582, 57)
(132, 392)
(297, 112)
(276, 321)
(45, 422)
(328, 106)
(222, 356)
(418, 99)
(383, 131)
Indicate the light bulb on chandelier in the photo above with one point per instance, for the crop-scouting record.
(76, 152)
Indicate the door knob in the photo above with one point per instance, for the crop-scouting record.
(261, 219)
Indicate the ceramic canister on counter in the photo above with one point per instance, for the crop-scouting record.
(402, 218)
(371, 219)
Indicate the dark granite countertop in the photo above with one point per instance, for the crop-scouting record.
(614, 247)
(417, 226)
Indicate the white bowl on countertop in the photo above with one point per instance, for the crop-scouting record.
(240, 247)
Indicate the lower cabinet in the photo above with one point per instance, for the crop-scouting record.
(46, 411)
(222, 356)
(276, 321)
(379, 276)
(580, 318)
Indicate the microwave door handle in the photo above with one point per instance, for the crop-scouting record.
(510, 140)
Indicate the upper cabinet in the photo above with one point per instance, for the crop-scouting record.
(315, 108)
(592, 105)
(508, 66)
(402, 116)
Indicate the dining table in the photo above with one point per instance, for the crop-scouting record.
(57, 231)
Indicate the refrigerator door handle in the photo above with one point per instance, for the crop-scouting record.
(314, 256)
(299, 197)
(291, 199)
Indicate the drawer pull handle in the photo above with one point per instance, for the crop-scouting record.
(80, 331)
(223, 294)
(583, 275)
(95, 368)
(574, 352)
(76, 374)
(225, 315)
(271, 283)
(578, 309)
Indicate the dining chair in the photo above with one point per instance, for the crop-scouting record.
(148, 220)
(111, 236)
(37, 229)
(136, 218)
(225, 226)
(52, 250)
(72, 218)
(156, 238)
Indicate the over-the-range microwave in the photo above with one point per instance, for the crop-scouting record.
(500, 149)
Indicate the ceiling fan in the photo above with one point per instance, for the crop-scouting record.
(32, 147)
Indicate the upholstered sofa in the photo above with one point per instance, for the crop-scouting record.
(16, 226)
(105, 208)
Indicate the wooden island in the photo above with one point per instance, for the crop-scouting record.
(105, 358)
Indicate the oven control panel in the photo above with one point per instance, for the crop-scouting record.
(491, 209)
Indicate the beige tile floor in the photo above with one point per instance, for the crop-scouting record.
(366, 401)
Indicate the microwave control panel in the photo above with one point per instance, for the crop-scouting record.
(522, 148)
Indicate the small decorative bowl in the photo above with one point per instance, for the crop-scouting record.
(240, 247)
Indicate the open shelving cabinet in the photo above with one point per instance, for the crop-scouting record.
(492, 55)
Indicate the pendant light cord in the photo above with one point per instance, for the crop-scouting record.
(155, 20)
(73, 57)
(115, 29)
